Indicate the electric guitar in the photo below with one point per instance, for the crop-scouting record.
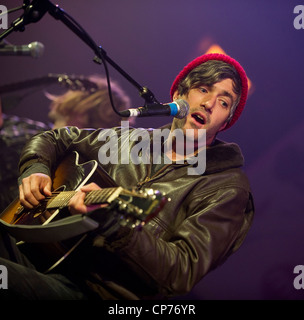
(46, 235)
(69, 82)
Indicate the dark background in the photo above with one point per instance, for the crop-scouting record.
(152, 41)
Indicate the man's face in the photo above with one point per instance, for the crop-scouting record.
(209, 108)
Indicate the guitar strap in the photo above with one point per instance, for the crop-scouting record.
(59, 230)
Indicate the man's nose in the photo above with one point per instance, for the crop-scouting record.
(209, 103)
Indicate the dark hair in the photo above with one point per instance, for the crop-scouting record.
(209, 73)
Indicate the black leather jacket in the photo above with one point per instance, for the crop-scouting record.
(206, 220)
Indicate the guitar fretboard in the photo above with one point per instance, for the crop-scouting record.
(61, 199)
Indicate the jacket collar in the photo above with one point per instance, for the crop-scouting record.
(221, 155)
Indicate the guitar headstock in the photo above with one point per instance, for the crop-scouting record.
(73, 82)
(136, 208)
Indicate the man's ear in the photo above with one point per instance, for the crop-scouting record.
(175, 95)
(223, 126)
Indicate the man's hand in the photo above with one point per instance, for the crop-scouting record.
(76, 204)
(37, 187)
(34, 188)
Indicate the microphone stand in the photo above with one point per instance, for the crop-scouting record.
(18, 24)
(34, 11)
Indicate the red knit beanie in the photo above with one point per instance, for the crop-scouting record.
(224, 58)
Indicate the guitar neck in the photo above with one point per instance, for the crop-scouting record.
(28, 84)
(61, 199)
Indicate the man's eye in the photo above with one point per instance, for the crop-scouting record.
(224, 104)
(204, 90)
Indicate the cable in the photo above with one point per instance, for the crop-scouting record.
(99, 53)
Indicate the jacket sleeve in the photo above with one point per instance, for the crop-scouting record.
(178, 260)
(49, 147)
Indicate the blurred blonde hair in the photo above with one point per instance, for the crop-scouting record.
(88, 109)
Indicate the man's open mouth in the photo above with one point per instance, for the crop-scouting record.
(198, 118)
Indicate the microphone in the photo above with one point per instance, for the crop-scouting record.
(178, 109)
(34, 49)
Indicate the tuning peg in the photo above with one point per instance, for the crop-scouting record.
(138, 225)
(138, 211)
(122, 206)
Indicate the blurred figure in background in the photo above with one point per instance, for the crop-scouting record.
(89, 108)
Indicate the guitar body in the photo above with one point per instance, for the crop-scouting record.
(69, 175)
(68, 178)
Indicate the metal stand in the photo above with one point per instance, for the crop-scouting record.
(35, 10)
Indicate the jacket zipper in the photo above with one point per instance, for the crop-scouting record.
(148, 179)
